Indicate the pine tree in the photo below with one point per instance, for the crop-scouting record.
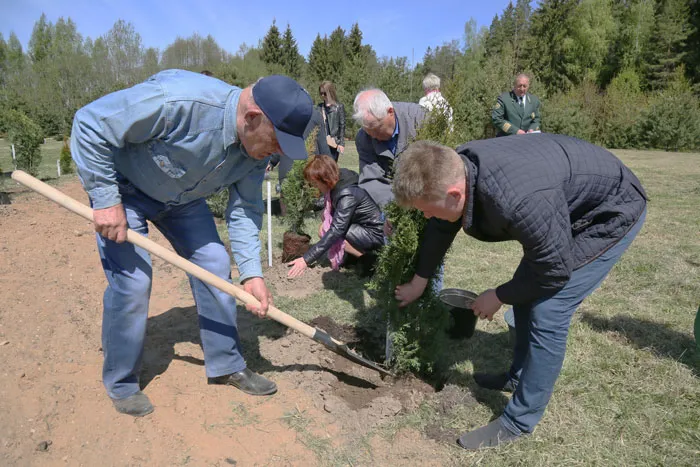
(356, 73)
(272, 49)
(336, 55)
(667, 51)
(319, 65)
(291, 59)
(521, 32)
(550, 29)
(353, 42)
(692, 59)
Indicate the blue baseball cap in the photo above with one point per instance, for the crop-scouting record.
(289, 108)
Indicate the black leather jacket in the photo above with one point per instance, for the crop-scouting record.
(351, 205)
(335, 121)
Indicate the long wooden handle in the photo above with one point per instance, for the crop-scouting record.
(165, 254)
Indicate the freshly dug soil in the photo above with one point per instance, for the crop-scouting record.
(55, 410)
(294, 245)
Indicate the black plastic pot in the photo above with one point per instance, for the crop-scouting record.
(463, 319)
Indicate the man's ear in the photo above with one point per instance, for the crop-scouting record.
(454, 194)
(251, 114)
(390, 111)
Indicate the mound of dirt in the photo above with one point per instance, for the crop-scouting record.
(309, 283)
(356, 396)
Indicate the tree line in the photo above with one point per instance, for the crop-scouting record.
(621, 73)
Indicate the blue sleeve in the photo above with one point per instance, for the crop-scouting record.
(103, 127)
(244, 217)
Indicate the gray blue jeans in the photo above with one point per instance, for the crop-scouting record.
(191, 230)
(542, 328)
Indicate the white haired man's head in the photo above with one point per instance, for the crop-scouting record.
(374, 112)
(431, 82)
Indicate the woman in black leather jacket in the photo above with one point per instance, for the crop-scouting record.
(334, 117)
(356, 226)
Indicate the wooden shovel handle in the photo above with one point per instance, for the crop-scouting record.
(165, 254)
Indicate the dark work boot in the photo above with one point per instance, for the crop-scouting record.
(488, 436)
(248, 382)
(136, 405)
(499, 382)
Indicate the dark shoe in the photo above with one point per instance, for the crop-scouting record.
(489, 436)
(136, 405)
(248, 382)
(500, 382)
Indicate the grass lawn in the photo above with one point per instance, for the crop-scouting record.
(50, 152)
(629, 392)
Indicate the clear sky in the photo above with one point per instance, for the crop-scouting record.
(392, 28)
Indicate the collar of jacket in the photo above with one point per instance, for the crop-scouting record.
(516, 98)
(471, 174)
(230, 133)
(346, 178)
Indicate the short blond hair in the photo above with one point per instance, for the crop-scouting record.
(425, 171)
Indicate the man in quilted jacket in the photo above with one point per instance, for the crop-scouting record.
(574, 207)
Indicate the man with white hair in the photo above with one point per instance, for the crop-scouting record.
(387, 129)
(517, 111)
(433, 98)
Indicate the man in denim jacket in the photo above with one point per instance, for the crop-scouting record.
(153, 152)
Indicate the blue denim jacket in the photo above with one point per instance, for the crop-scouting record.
(174, 137)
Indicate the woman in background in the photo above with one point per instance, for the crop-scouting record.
(333, 114)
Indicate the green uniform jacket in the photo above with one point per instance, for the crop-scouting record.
(508, 117)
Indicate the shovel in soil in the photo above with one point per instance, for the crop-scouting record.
(200, 273)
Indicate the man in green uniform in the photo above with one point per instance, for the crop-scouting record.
(517, 112)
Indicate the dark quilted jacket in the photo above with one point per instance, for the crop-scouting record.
(351, 205)
(565, 200)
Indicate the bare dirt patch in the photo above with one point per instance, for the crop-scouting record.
(54, 407)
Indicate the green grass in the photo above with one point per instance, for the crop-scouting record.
(629, 392)
(50, 152)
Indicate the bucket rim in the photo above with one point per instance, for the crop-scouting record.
(448, 296)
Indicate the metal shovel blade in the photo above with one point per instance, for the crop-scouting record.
(344, 351)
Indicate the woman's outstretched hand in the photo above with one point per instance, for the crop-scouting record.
(298, 266)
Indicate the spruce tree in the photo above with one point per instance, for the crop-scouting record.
(319, 65)
(272, 49)
(667, 51)
(336, 55)
(291, 60)
(550, 34)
